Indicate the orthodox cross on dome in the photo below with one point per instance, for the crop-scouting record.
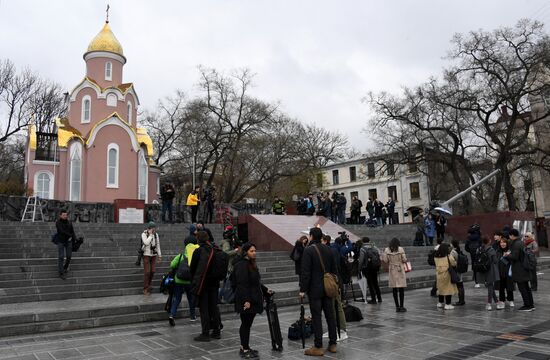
(107, 14)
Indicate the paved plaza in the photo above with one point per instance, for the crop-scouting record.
(423, 332)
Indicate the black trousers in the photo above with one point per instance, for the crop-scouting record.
(244, 330)
(446, 298)
(398, 302)
(526, 293)
(372, 283)
(505, 289)
(460, 287)
(317, 306)
(194, 211)
(534, 281)
(210, 314)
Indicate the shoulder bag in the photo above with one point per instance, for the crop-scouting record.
(330, 281)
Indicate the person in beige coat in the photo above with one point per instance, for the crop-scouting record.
(395, 258)
(445, 288)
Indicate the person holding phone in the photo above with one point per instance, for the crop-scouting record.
(150, 245)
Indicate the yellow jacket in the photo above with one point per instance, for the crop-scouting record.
(192, 200)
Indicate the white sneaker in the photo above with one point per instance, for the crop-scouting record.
(343, 335)
(511, 304)
(500, 305)
(449, 307)
(488, 307)
(440, 305)
(325, 335)
(477, 286)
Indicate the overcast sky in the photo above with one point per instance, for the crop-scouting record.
(317, 58)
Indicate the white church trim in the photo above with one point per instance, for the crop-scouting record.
(113, 120)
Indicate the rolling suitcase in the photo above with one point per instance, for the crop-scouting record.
(274, 326)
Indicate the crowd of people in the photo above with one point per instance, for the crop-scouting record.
(195, 202)
(325, 267)
(334, 206)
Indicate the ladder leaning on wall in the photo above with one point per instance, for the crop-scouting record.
(33, 210)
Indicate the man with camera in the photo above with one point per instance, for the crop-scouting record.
(167, 196)
(150, 245)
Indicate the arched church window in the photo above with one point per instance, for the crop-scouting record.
(108, 70)
(142, 176)
(129, 112)
(111, 100)
(75, 171)
(86, 109)
(112, 166)
(43, 184)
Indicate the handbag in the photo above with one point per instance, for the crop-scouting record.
(330, 281)
(407, 266)
(455, 279)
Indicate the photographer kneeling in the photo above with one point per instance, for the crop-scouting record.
(150, 245)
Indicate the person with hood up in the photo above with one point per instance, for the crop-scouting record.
(205, 287)
(182, 285)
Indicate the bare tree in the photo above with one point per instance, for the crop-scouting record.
(479, 110)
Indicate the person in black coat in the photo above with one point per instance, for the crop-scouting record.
(205, 289)
(520, 275)
(249, 295)
(311, 282)
(65, 232)
(472, 244)
(506, 284)
(297, 252)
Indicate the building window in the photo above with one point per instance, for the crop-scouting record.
(390, 168)
(354, 194)
(319, 179)
(370, 170)
(413, 166)
(86, 109)
(75, 172)
(43, 185)
(111, 100)
(142, 176)
(108, 70)
(112, 166)
(352, 174)
(415, 190)
(335, 177)
(392, 192)
(129, 113)
(372, 194)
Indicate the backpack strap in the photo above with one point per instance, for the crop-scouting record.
(320, 258)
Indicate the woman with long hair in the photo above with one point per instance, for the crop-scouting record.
(445, 288)
(297, 252)
(394, 256)
(249, 295)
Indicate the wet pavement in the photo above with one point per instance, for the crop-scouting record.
(468, 332)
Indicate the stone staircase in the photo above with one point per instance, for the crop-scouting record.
(104, 286)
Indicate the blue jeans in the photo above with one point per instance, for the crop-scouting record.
(178, 292)
(64, 250)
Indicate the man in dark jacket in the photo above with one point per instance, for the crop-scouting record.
(390, 206)
(201, 227)
(205, 288)
(378, 211)
(65, 233)
(520, 275)
(311, 282)
(167, 196)
(355, 210)
(341, 208)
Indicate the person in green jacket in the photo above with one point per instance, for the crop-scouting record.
(181, 285)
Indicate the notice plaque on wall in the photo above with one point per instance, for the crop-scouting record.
(130, 216)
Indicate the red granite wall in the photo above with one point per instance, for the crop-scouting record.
(457, 226)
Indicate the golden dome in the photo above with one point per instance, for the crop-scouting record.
(106, 41)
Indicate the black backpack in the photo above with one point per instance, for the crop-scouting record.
(219, 265)
(461, 263)
(183, 271)
(352, 313)
(372, 259)
(295, 330)
(482, 262)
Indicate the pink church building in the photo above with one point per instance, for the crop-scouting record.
(98, 153)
